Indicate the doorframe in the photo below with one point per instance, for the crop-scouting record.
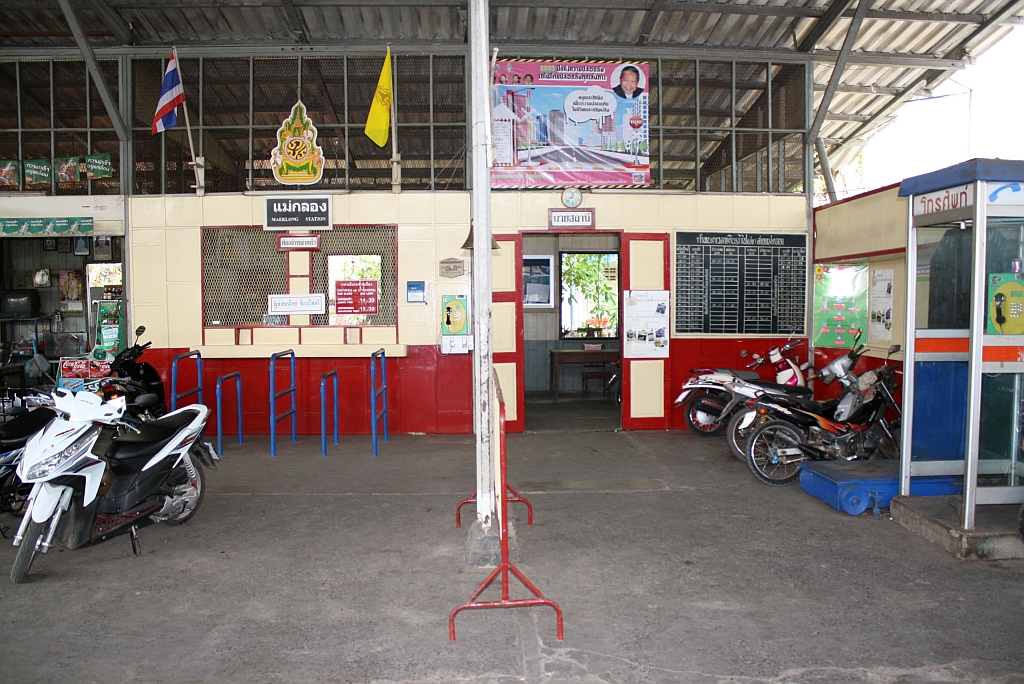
(663, 422)
(518, 357)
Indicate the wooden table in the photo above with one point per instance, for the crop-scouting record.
(560, 356)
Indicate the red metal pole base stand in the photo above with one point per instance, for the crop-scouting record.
(515, 498)
(505, 566)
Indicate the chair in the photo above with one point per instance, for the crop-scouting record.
(595, 371)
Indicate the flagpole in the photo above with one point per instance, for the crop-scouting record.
(197, 164)
(396, 159)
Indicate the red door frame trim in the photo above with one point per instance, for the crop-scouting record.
(517, 357)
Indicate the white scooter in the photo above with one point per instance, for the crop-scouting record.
(711, 397)
(83, 494)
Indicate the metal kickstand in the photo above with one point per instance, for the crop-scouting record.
(133, 532)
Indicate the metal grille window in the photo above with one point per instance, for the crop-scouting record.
(241, 266)
(357, 241)
(52, 109)
(237, 105)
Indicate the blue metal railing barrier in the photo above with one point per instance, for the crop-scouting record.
(375, 392)
(274, 416)
(174, 378)
(220, 414)
(323, 410)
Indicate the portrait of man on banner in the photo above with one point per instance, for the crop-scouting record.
(570, 123)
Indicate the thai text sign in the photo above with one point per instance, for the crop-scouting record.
(960, 197)
(356, 297)
(572, 124)
(295, 305)
(298, 243)
(571, 218)
(285, 213)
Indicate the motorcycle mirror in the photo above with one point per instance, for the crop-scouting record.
(744, 353)
(856, 338)
(893, 349)
(41, 364)
(138, 331)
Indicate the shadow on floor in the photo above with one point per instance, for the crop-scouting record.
(572, 412)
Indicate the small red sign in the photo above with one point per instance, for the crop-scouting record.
(356, 297)
(636, 121)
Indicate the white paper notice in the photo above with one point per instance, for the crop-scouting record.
(880, 316)
(645, 318)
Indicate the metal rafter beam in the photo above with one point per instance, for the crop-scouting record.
(652, 19)
(296, 25)
(821, 27)
(838, 69)
(112, 20)
(94, 69)
(932, 75)
(860, 89)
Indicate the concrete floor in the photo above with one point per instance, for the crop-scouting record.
(670, 562)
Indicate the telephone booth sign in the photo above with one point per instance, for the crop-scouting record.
(963, 390)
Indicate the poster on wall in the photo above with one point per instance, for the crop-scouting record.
(880, 316)
(645, 320)
(840, 304)
(570, 123)
(71, 290)
(98, 166)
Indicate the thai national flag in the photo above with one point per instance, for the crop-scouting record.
(171, 95)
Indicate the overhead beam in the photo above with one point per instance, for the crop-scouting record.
(98, 76)
(112, 20)
(834, 12)
(652, 19)
(837, 71)
(859, 89)
(1009, 9)
(695, 6)
(296, 25)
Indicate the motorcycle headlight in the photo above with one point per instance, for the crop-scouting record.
(51, 464)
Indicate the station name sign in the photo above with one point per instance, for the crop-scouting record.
(298, 212)
(571, 218)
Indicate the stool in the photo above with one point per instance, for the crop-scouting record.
(596, 371)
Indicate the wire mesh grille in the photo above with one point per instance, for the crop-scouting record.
(358, 240)
(240, 268)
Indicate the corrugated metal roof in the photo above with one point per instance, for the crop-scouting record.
(891, 60)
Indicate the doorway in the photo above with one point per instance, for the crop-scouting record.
(572, 347)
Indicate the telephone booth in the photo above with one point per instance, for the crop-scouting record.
(963, 392)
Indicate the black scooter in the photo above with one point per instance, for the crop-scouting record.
(137, 378)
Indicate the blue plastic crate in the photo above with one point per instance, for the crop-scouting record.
(850, 486)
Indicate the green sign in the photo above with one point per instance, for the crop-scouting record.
(66, 169)
(98, 166)
(41, 227)
(37, 171)
(840, 304)
(10, 173)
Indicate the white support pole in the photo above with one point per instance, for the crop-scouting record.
(975, 355)
(480, 201)
(909, 347)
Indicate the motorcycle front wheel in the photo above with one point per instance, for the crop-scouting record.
(701, 422)
(763, 458)
(26, 552)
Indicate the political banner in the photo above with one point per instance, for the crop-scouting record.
(37, 171)
(67, 169)
(570, 123)
(10, 173)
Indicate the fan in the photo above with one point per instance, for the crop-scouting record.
(41, 278)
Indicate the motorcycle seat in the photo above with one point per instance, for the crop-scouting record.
(16, 432)
(151, 437)
(789, 389)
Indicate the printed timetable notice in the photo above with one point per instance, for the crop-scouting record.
(731, 283)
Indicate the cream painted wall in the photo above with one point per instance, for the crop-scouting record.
(107, 211)
(871, 223)
(165, 246)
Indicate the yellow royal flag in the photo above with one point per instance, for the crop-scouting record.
(378, 121)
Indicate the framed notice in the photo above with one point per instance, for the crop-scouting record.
(646, 323)
(538, 286)
(840, 304)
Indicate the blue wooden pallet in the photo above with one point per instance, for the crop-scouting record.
(855, 486)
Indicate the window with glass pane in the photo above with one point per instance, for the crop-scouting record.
(590, 295)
